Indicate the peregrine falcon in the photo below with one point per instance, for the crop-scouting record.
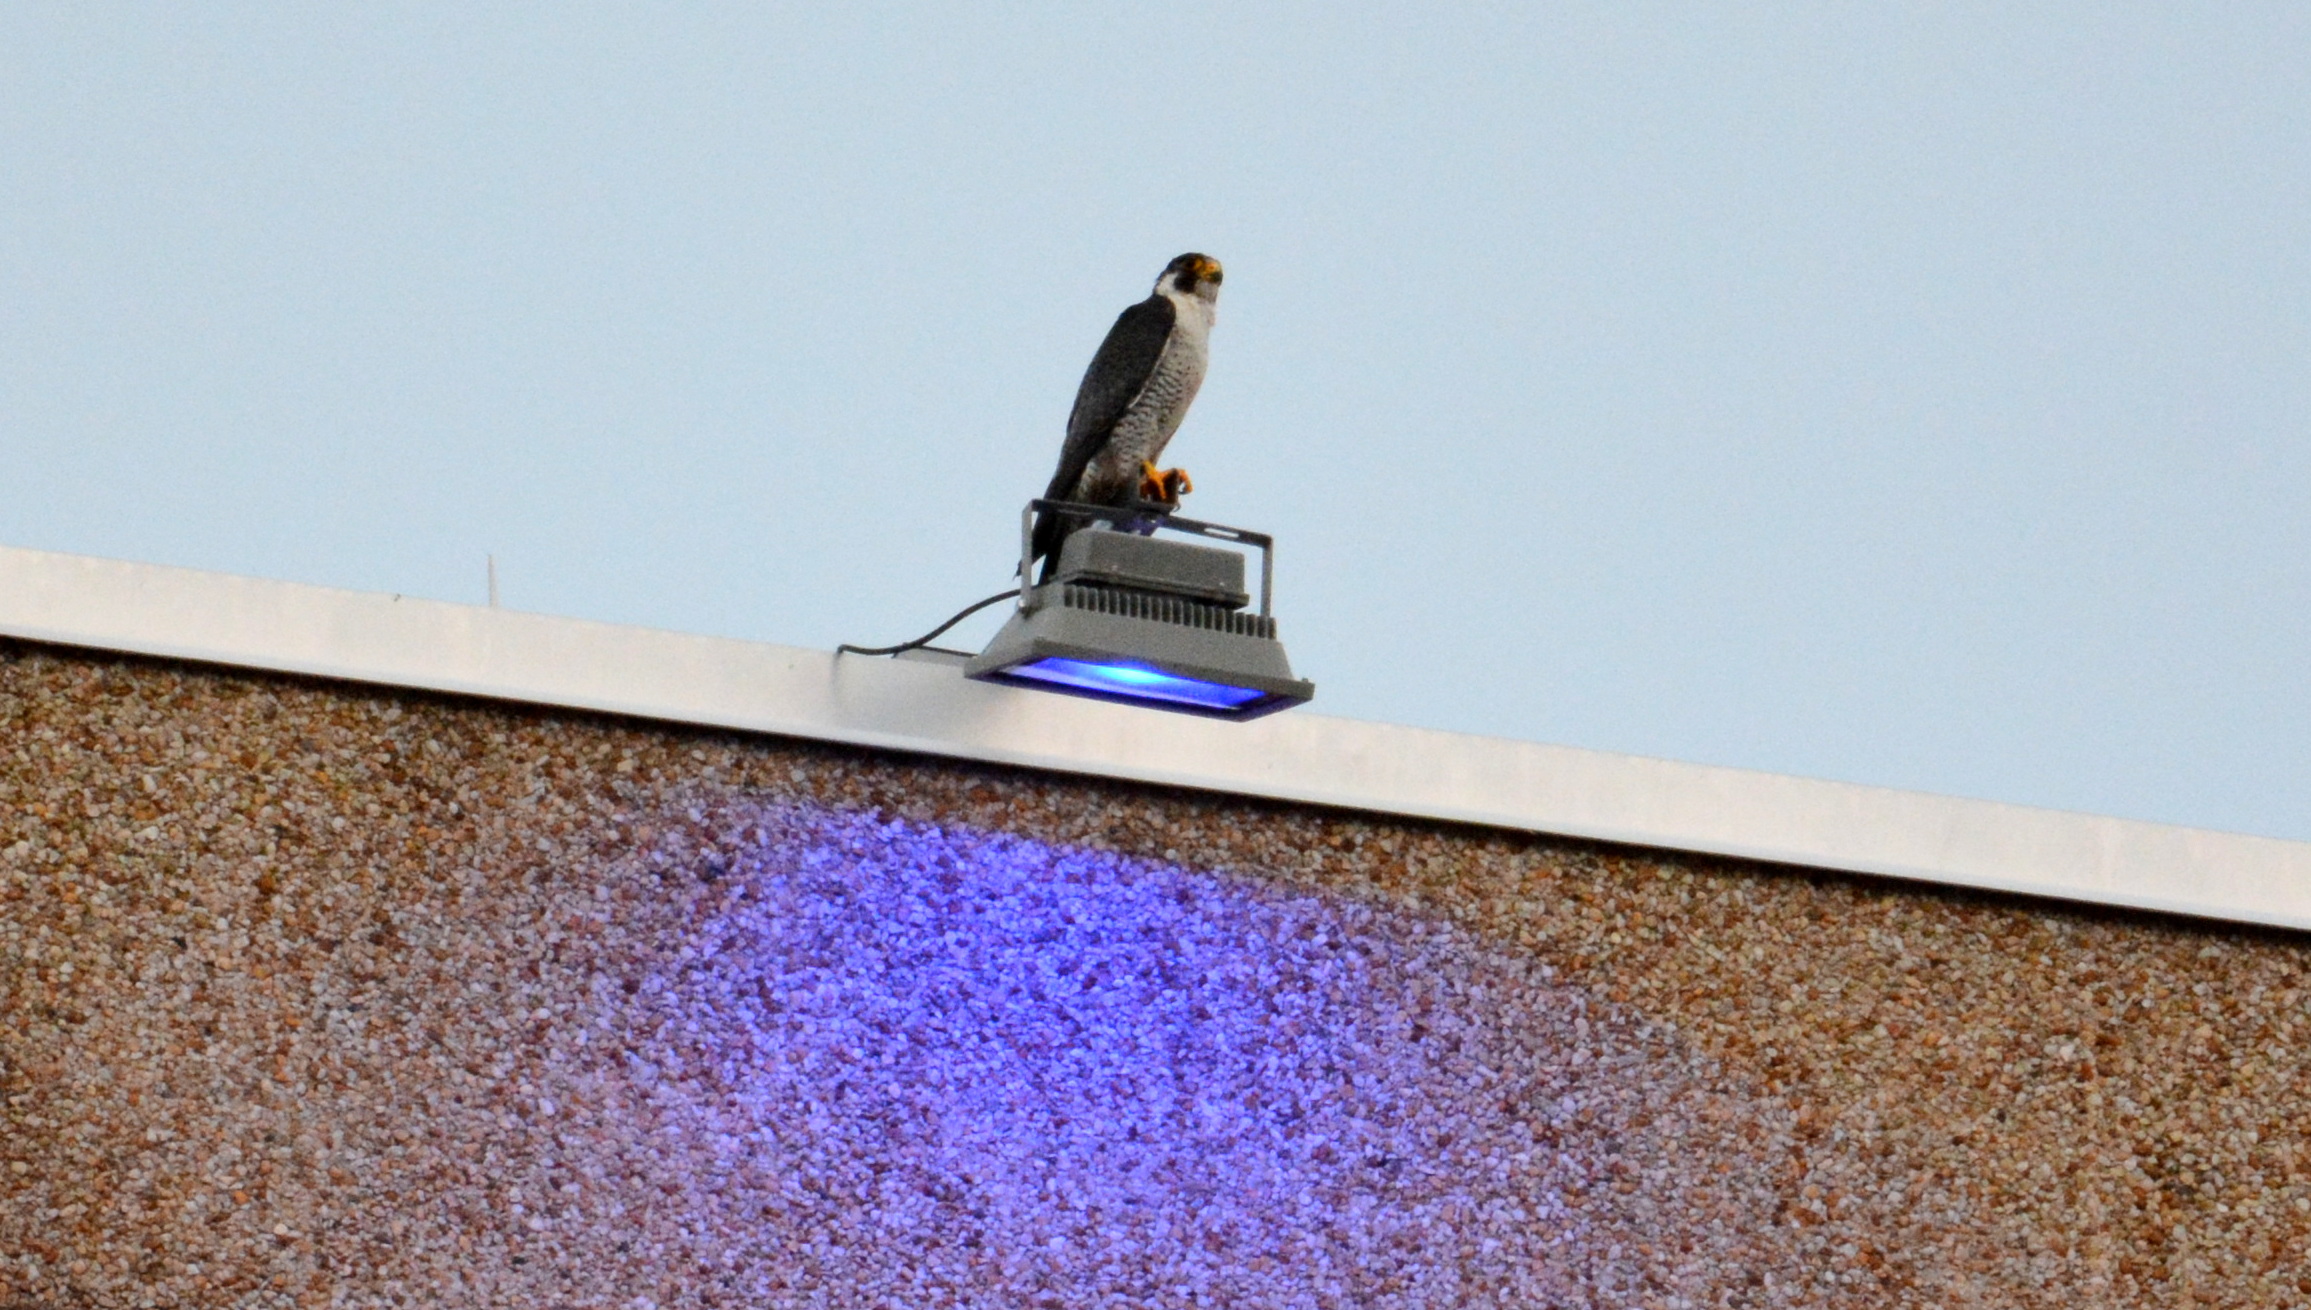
(1132, 399)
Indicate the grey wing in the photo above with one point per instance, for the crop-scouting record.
(1121, 368)
(1126, 360)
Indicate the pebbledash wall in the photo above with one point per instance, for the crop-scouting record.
(364, 950)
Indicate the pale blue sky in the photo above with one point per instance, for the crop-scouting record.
(1907, 394)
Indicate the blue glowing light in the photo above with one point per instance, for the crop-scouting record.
(1136, 681)
(1075, 1074)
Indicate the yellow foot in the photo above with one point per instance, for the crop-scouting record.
(1165, 485)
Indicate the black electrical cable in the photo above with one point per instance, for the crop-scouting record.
(928, 637)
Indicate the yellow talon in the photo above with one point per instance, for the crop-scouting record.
(1165, 485)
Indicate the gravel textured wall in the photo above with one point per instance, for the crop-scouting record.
(313, 995)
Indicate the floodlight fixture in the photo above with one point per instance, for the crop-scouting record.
(1127, 616)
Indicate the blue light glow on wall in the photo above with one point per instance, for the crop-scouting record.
(1136, 681)
(914, 1058)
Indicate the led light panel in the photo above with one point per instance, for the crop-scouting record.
(1136, 681)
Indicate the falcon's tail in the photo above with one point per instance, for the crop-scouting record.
(1051, 531)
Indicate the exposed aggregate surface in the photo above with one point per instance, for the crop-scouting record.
(313, 994)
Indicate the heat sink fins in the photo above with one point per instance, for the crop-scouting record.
(1168, 609)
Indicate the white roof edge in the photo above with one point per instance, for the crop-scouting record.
(401, 641)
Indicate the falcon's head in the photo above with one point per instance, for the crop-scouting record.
(1191, 275)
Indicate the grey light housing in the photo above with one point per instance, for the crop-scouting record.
(1131, 617)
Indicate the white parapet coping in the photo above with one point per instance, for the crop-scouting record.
(930, 708)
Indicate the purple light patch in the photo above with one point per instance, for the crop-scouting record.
(907, 1059)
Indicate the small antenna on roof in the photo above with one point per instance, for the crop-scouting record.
(493, 582)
